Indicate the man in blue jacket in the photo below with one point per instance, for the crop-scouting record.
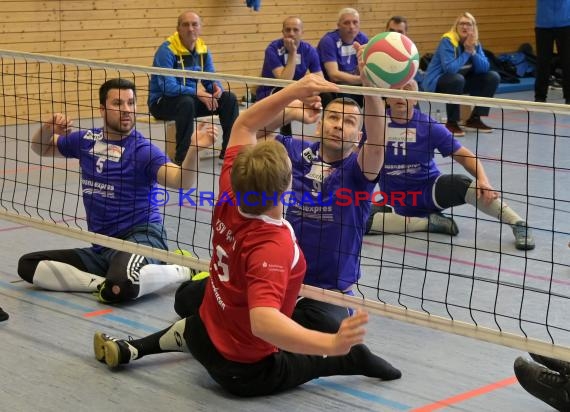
(182, 99)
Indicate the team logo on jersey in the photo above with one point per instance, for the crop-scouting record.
(271, 267)
(89, 135)
(309, 155)
(401, 134)
(319, 171)
(107, 151)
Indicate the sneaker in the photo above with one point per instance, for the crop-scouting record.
(439, 223)
(3, 315)
(524, 239)
(541, 382)
(454, 129)
(185, 252)
(476, 125)
(112, 351)
(104, 295)
(200, 276)
(557, 365)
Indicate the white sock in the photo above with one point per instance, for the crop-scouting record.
(154, 277)
(173, 338)
(395, 223)
(497, 208)
(63, 277)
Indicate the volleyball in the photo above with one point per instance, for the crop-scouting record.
(391, 60)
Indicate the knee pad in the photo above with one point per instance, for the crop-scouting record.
(451, 190)
(118, 291)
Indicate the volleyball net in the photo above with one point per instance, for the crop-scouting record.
(475, 284)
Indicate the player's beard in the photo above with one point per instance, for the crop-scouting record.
(120, 126)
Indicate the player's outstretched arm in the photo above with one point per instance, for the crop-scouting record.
(185, 175)
(371, 156)
(308, 111)
(274, 327)
(473, 165)
(44, 140)
(263, 113)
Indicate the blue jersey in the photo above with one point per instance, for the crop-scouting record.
(117, 178)
(331, 48)
(276, 55)
(329, 224)
(409, 164)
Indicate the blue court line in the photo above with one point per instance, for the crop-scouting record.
(362, 395)
(42, 295)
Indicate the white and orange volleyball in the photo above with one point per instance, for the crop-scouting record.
(391, 60)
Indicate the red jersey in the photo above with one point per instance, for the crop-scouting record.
(256, 262)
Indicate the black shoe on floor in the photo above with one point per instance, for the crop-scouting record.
(557, 365)
(112, 351)
(3, 315)
(543, 383)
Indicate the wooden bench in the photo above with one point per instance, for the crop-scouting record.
(170, 135)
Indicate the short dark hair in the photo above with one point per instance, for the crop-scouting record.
(120, 83)
(397, 20)
(346, 101)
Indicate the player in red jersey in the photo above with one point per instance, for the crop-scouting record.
(242, 332)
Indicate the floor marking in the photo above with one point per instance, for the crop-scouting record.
(361, 394)
(466, 395)
(97, 313)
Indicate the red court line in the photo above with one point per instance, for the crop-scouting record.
(466, 395)
(469, 263)
(97, 313)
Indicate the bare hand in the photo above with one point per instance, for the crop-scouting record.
(59, 124)
(209, 101)
(205, 135)
(307, 110)
(312, 85)
(470, 43)
(291, 47)
(359, 51)
(350, 333)
(217, 91)
(486, 193)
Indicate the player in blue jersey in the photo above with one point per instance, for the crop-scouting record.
(338, 56)
(120, 169)
(416, 188)
(330, 227)
(288, 58)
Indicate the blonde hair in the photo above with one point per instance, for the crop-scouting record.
(348, 10)
(260, 175)
(469, 16)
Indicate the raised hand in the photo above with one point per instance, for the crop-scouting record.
(59, 124)
(312, 85)
(359, 51)
(350, 333)
(205, 135)
(307, 111)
